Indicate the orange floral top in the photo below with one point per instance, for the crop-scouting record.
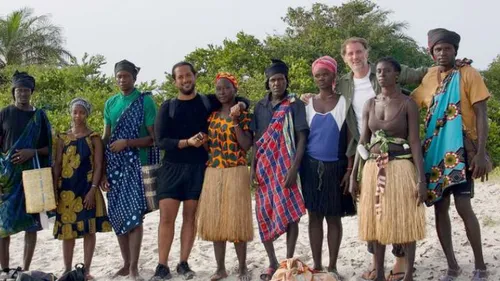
(223, 148)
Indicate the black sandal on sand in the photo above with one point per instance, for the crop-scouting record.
(479, 275)
(268, 274)
(370, 274)
(448, 277)
(396, 276)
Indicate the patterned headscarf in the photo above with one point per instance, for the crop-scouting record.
(227, 76)
(326, 62)
(82, 102)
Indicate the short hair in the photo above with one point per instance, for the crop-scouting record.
(391, 60)
(182, 63)
(352, 40)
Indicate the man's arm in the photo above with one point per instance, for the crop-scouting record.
(479, 166)
(410, 75)
(216, 105)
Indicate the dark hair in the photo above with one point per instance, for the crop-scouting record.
(391, 60)
(182, 63)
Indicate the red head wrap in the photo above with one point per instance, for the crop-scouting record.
(326, 62)
(229, 77)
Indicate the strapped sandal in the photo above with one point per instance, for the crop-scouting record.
(369, 274)
(454, 277)
(477, 275)
(268, 274)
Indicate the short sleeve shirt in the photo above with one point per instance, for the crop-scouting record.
(224, 150)
(116, 105)
(472, 90)
(264, 110)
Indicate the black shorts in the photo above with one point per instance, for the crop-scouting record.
(180, 181)
(462, 189)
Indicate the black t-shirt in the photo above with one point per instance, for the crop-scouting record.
(190, 118)
(13, 122)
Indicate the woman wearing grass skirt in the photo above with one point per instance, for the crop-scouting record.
(225, 210)
(393, 181)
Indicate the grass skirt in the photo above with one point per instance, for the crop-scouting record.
(401, 220)
(225, 208)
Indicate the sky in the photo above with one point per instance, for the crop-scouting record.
(155, 34)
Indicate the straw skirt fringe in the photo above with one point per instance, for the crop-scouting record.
(225, 208)
(401, 220)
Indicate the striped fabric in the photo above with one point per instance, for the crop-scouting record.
(277, 206)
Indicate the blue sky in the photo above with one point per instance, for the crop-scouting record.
(155, 34)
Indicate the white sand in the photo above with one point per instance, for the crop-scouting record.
(353, 259)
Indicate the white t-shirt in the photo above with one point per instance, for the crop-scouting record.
(363, 91)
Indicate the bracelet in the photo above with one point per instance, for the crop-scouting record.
(187, 143)
(349, 169)
(94, 185)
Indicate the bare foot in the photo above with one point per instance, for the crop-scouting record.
(244, 275)
(333, 272)
(136, 277)
(124, 271)
(89, 277)
(219, 275)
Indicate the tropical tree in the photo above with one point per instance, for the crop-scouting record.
(26, 39)
(310, 33)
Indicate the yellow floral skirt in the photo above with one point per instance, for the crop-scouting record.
(74, 221)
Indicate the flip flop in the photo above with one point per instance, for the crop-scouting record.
(393, 276)
(369, 275)
(268, 274)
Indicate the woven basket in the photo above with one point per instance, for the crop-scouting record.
(149, 174)
(38, 189)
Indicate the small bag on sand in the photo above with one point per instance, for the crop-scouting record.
(149, 176)
(35, 276)
(295, 270)
(38, 188)
(77, 274)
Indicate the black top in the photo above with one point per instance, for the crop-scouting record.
(13, 122)
(190, 118)
(263, 113)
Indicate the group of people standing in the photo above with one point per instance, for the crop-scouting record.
(358, 137)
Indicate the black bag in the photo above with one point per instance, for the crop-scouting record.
(78, 274)
(35, 276)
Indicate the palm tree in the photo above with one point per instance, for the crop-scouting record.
(27, 39)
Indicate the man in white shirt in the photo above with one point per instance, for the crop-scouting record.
(357, 87)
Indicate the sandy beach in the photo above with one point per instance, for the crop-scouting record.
(353, 259)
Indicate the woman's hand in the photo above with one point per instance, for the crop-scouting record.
(89, 201)
(421, 192)
(345, 181)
